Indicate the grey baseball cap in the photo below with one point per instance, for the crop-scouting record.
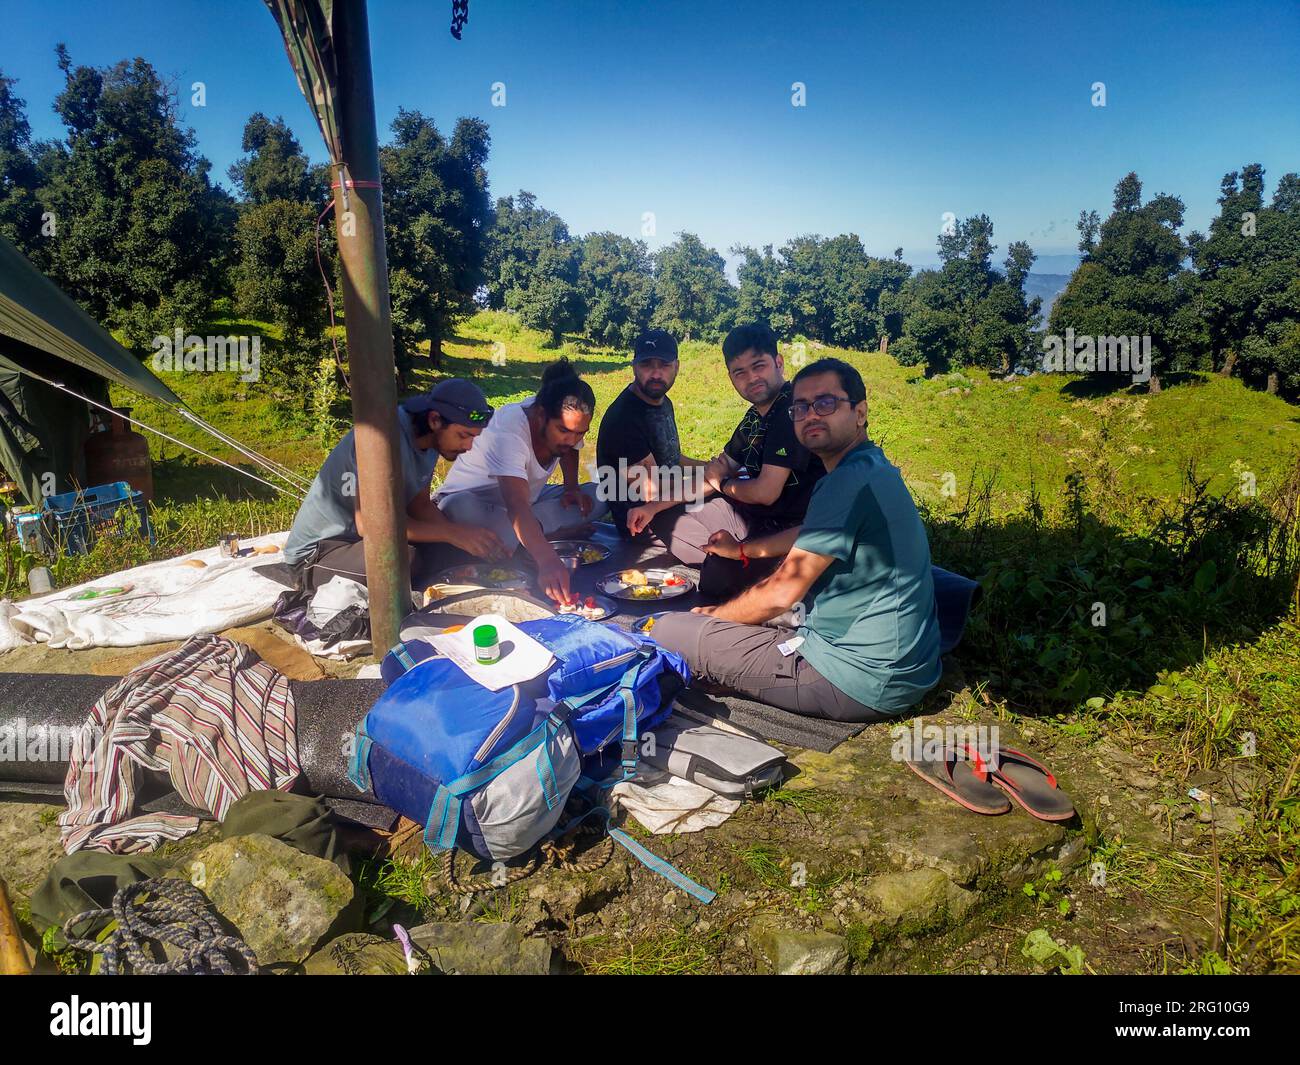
(456, 400)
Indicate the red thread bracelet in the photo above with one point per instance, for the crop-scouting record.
(744, 558)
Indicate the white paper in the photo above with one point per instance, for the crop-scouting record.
(522, 657)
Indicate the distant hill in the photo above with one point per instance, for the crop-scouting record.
(1049, 286)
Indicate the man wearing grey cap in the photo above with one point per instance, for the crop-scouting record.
(326, 538)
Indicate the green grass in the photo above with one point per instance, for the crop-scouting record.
(1025, 433)
(678, 952)
(1209, 711)
(806, 800)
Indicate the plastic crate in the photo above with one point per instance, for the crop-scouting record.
(74, 520)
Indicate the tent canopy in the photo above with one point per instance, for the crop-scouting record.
(36, 313)
(45, 334)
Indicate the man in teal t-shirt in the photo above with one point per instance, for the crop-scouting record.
(856, 572)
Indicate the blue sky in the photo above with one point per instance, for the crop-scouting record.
(683, 109)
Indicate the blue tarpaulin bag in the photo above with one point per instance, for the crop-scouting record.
(490, 771)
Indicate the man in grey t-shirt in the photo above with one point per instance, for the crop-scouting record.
(327, 535)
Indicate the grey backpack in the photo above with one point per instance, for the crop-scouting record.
(725, 762)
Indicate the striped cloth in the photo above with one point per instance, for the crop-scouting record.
(211, 714)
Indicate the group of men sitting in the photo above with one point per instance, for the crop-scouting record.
(804, 533)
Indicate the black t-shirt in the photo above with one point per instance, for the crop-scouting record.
(631, 429)
(768, 440)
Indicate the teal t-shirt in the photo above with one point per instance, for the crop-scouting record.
(871, 628)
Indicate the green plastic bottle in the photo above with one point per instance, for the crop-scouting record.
(487, 648)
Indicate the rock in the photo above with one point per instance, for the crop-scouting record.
(283, 902)
(1135, 778)
(474, 948)
(1112, 756)
(358, 954)
(946, 838)
(562, 897)
(788, 952)
(1230, 819)
(1245, 780)
(29, 846)
(820, 770)
(918, 899)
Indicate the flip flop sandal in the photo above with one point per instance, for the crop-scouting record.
(964, 782)
(1031, 785)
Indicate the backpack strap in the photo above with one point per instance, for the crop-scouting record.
(359, 763)
(402, 656)
(591, 789)
(664, 868)
(627, 690)
(631, 717)
(441, 829)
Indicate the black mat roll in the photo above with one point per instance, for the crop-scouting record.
(328, 712)
(45, 709)
(769, 723)
(39, 714)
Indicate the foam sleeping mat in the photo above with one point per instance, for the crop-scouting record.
(47, 707)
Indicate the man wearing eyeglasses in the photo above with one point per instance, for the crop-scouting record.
(856, 573)
(326, 539)
(760, 483)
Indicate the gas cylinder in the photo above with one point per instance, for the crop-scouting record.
(118, 454)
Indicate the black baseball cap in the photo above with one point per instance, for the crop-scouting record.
(655, 344)
(456, 400)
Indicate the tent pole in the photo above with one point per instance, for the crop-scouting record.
(359, 218)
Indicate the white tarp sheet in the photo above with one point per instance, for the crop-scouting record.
(168, 600)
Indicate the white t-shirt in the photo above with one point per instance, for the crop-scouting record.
(503, 449)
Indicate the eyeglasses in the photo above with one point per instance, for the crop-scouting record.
(823, 405)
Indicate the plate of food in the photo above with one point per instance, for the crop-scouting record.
(591, 607)
(586, 552)
(485, 575)
(646, 585)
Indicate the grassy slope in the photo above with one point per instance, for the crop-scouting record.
(969, 424)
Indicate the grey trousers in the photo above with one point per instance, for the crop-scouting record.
(347, 558)
(686, 532)
(486, 508)
(747, 660)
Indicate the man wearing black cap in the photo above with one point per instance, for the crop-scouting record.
(638, 454)
(760, 483)
(326, 538)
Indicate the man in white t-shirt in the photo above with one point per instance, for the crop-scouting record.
(501, 483)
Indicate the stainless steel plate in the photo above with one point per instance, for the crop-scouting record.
(485, 575)
(608, 608)
(586, 551)
(655, 578)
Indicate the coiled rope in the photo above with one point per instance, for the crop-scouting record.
(165, 910)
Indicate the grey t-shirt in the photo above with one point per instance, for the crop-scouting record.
(329, 511)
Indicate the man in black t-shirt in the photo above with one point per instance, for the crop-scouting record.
(761, 482)
(639, 429)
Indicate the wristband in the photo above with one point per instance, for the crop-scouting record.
(744, 558)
